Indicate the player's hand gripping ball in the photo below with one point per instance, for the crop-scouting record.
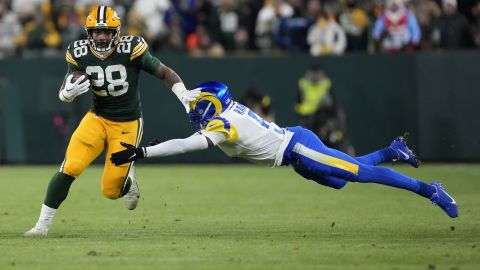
(77, 83)
(77, 74)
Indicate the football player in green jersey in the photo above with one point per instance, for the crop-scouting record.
(113, 64)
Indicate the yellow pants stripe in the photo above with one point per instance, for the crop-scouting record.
(137, 142)
(325, 159)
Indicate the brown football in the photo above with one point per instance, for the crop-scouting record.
(77, 74)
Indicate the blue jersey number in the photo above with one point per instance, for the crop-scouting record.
(258, 119)
(240, 109)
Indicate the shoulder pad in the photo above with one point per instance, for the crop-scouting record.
(133, 45)
(220, 124)
(76, 50)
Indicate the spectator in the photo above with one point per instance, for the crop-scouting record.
(326, 36)
(268, 20)
(476, 24)
(318, 110)
(123, 7)
(263, 25)
(292, 31)
(39, 31)
(207, 15)
(25, 6)
(69, 23)
(451, 29)
(261, 104)
(200, 44)
(397, 28)
(354, 21)
(88, 3)
(298, 7)
(314, 92)
(151, 14)
(135, 25)
(426, 12)
(248, 16)
(10, 30)
(331, 7)
(185, 12)
(176, 38)
(229, 23)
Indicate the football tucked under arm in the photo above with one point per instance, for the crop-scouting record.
(75, 84)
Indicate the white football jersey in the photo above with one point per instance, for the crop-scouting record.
(249, 136)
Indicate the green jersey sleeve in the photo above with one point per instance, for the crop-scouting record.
(142, 57)
(71, 68)
(149, 63)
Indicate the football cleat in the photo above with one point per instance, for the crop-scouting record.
(37, 231)
(444, 201)
(403, 153)
(133, 195)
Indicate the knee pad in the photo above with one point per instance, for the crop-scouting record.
(73, 168)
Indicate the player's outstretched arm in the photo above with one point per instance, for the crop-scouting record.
(152, 65)
(169, 148)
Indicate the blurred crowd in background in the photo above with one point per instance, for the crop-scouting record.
(218, 27)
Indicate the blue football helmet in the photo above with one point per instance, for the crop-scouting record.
(213, 100)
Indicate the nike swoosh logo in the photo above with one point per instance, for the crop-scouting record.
(453, 200)
(125, 132)
(404, 154)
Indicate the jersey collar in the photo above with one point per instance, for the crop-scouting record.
(100, 56)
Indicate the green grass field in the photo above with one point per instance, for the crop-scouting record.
(241, 217)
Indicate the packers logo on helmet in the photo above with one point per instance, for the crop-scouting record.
(213, 100)
(103, 18)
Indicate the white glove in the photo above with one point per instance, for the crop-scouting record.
(184, 95)
(72, 90)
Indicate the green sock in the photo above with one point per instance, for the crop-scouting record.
(58, 189)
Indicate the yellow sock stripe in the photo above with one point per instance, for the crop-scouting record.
(139, 52)
(326, 159)
(70, 59)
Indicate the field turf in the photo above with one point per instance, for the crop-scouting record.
(241, 217)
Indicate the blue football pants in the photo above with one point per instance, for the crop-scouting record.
(329, 167)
